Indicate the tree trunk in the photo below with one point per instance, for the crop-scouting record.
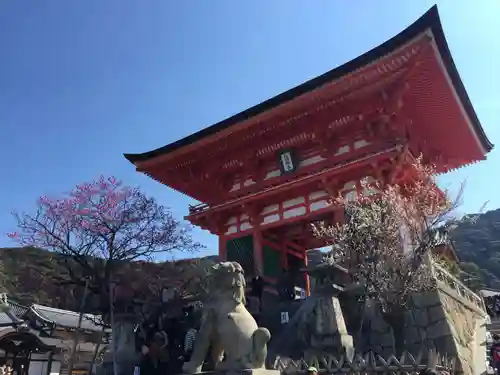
(358, 339)
(395, 318)
(113, 335)
(96, 350)
(76, 334)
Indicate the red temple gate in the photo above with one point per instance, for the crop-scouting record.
(265, 174)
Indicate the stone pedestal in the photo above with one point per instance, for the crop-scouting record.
(260, 371)
(329, 333)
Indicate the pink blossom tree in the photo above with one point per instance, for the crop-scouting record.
(103, 219)
(385, 238)
(99, 227)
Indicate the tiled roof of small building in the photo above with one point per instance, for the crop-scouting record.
(68, 319)
(485, 292)
(7, 318)
(314, 257)
(441, 236)
(17, 309)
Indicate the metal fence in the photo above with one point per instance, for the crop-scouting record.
(369, 364)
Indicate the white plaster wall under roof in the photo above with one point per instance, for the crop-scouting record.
(7, 319)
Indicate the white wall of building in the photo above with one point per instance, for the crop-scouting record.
(39, 363)
(55, 368)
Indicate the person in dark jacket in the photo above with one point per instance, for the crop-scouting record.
(428, 371)
(495, 353)
(155, 360)
(286, 286)
(257, 288)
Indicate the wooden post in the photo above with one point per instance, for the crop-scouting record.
(339, 216)
(253, 213)
(306, 276)
(222, 248)
(257, 251)
(49, 363)
(283, 254)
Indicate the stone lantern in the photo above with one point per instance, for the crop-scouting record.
(320, 324)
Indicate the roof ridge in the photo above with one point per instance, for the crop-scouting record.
(429, 21)
(67, 312)
(17, 304)
(39, 314)
(53, 309)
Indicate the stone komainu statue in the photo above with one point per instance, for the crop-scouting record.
(227, 328)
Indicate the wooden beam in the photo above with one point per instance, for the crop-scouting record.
(258, 263)
(284, 257)
(222, 248)
(397, 164)
(314, 178)
(310, 169)
(278, 247)
(295, 246)
(358, 109)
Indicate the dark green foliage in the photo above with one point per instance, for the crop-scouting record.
(452, 267)
(31, 275)
(477, 244)
(27, 276)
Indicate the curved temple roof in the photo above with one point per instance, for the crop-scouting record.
(429, 20)
(7, 319)
(66, 318)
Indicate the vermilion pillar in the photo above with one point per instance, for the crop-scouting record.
(306, 276)
(339, 216)
(283, 253)
(284, 257)
(222, 248)
(257, 251)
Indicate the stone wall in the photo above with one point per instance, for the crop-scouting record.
(451, 319)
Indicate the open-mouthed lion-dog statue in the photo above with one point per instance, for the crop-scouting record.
(227, 328)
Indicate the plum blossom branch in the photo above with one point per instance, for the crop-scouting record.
(387, 234)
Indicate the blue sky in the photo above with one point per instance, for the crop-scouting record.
(82, 82)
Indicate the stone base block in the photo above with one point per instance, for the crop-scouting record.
(123, 367)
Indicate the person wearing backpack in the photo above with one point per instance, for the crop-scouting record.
(495, 353)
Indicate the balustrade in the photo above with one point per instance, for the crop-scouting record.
(443, 277)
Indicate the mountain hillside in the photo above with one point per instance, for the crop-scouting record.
(31, 275)
(478, 247)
